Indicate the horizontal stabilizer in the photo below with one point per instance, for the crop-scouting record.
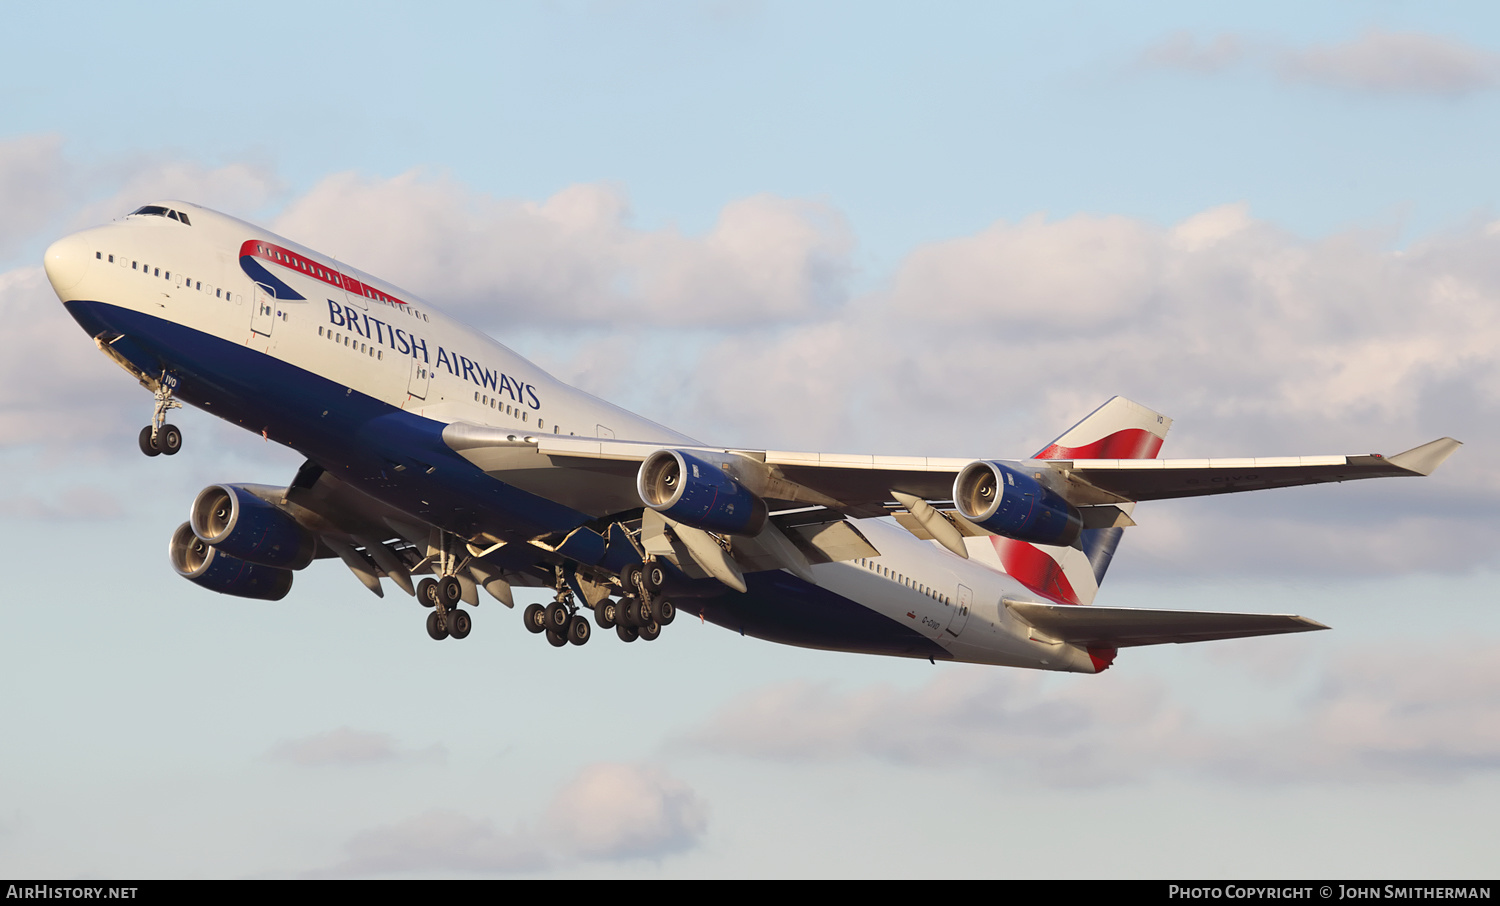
(1126, 627)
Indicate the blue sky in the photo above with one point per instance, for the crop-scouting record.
(948, 230)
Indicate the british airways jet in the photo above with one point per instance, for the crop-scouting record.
(433, 451)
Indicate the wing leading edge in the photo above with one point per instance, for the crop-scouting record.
(862, 484)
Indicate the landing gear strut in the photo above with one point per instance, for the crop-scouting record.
(159, 437)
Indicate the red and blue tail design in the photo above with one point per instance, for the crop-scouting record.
(1119, 429)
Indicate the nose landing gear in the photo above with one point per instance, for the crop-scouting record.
(159, 437)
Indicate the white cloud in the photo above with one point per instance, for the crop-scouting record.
(343, 746)
(33, 187)
(1416, 713)
(1396, 62)
(439, 841)
(622, 811)
(608, 812)
(989, 719)
(1376, 62)
(575, 258)
(75, 503)
(119, 187)
(1183, 50)
(57, 391)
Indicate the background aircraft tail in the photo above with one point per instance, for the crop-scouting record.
(1119, 429)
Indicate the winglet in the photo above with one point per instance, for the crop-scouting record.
(1424, 459)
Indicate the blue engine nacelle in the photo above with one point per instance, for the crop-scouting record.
(695, 492)
(205, 565)
(244, 526)
(997, 497)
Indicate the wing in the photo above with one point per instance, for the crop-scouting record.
(1051, 499)
(605, 472)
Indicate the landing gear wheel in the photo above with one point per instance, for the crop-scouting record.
(606, 613)
(666, 612)
(459, 623)
(558, 617)
(655, 578)
(630, 577)
(650, 631)
(579, 630)
(641, 614)
(625, 611)
(437, 627)
(555, 639)
(147, 447)
(536, 618)
(450, 591)
(626, 633)
(169, 439)
(427, 593)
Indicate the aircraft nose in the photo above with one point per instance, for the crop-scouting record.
(67, 260)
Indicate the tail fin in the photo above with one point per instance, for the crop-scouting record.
(1119, 429)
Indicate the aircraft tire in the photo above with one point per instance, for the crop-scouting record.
(625, 611)
(556, 640)
(437, 627)
(630, 577)
(427, 592)
(536, 618)
(650, 631)
(450, 591)
(557, 617)
(147, 447)
(654, 578)
(579, 630)
(642, 612)
(626, 633)
(460, 624)
(666, 612)
(169, 439)
(605, 613)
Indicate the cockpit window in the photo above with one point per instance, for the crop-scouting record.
(183, 218)
(156, 210)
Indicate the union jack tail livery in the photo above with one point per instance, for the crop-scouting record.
(1119, 429)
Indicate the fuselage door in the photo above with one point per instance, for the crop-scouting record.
(960, 614)
(421, 376)
(353, 293)
(263, 315)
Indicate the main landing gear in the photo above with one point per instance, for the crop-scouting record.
(560, 620)
(446, 619)
(159, 437)
(443, 596)
(639, 614)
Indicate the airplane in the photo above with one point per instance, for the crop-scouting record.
(433, 451)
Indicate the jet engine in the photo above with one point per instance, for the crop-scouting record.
(205, 565)
(1011, 503)
(694, 491)
(242, 525)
